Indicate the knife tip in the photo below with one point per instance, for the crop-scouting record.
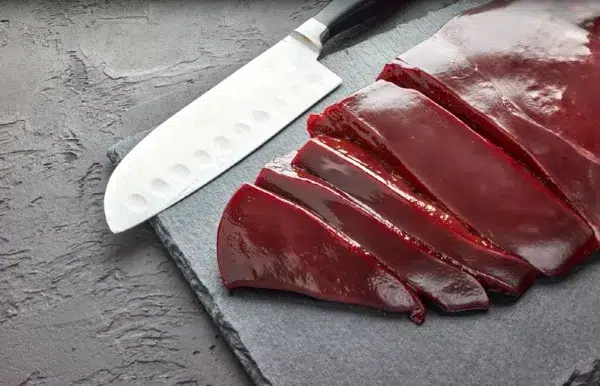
(111, 220)
(116, 223)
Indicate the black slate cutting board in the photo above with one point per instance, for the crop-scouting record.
(551, 335)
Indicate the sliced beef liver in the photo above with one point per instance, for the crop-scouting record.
(525, 74)
(267, 242)
(358, 173)
(470, 176)
(452, 289)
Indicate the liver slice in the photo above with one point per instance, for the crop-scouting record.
(450, 288)
(356, 172)
(267, 242)
(471, 177)
(534, 90)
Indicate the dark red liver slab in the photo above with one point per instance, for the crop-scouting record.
(525, 74)
(267, 242)
(474, 179)
(356, 172)
(452, 289)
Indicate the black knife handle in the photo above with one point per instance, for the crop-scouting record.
(339, 15)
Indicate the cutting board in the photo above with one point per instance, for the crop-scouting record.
(285, 339)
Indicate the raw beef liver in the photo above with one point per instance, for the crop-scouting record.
(473, 162)
(354, 171)
(525, 74)
(267, 242)
(474, 179)
(452, 289)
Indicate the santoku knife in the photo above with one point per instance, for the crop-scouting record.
(230, 121)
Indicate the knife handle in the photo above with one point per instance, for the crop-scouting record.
(339, 15)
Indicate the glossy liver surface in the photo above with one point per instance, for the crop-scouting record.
(267, 242)
(526, 74)
(470, 176)
(364, 177)
(412, 262)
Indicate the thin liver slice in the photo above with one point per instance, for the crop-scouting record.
(267, 242)
(450, 288)
(359, 174)
(534, 90)
(452, 164)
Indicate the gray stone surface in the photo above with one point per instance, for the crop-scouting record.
(79, 305)
(283, 339)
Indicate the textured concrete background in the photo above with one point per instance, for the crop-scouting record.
(79, 305)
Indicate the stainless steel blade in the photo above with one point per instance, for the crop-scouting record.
(219, 129)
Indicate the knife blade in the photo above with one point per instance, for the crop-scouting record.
(230, 121)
